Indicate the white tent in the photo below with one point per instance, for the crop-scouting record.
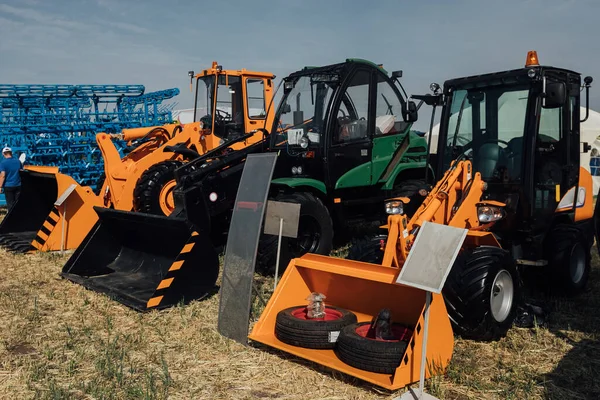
(590, 133)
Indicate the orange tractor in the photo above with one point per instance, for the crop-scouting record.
(508, 160)
(55, 213)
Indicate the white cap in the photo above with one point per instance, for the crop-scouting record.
(6, 150)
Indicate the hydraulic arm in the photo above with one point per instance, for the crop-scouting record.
(454, 201)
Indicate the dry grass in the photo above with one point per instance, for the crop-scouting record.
(61, 341)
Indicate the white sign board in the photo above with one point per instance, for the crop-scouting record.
(278, 211)
(432, 256)
(65, 194)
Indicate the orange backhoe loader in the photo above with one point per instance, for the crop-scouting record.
(228, 105)
(509, 145)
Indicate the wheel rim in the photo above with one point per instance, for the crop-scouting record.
(577, 263)
(166, 201)
(309, 235)
(399, 332)
(501, 297)
(330, 314)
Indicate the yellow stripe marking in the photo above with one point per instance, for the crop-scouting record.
(42, 235)
(153, 302)
(176, 265)
(187, 248)
(558, 193)
(165, 283)
(48, 225)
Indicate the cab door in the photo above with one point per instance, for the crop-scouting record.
(350, 136)
(555, 168)
(390, 128)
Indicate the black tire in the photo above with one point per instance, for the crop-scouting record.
(569, 259)
(147, 190)
(367, 249)
(410, 188)
(311, 333)
(314, 218)
(368, 354)
(468, 291)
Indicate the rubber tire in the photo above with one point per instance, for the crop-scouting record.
(310, 206)
(410, 188)
(147, 189)
(367, 249)
(369, 355)
(468, 288)
(559, 246)
(311, 334)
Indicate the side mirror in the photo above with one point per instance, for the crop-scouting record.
(286, 108)
(555, 96)
(410, 112)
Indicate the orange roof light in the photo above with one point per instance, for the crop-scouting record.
(532, 59)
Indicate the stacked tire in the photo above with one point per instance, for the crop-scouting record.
(353, 342)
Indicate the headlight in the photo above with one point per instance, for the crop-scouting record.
(487, 214)
(294, 170)
(213, 197)
(394, 207)
(299, 169)
(304, 142)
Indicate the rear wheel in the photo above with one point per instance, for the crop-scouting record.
(569, 259)
(153, 192)
(315, 233)
(367, 249)
(482, 293)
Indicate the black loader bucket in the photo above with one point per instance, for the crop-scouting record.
(144, 261)
(39, 191)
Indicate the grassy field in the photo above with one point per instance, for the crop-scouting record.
(61, 341)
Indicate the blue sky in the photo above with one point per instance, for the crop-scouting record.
(155, 43)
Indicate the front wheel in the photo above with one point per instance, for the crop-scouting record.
(482, 293)
(153, 193)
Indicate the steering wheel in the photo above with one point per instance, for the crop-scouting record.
(221, 114)
(469, 147)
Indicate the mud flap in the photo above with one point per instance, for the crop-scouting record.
(144, 261)
(36, 201)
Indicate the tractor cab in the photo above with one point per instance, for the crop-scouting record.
(520, 129)
(339, 128)
(230, 103)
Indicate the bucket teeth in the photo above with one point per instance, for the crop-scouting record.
(20, 243)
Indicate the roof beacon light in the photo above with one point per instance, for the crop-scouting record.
(532, 59)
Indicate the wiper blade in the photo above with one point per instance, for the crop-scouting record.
(460, 113)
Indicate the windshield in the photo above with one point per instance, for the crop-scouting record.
(302, 113)
(204, 93)
(228, 121)
(488, 124)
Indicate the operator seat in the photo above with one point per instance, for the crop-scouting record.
(487, 158)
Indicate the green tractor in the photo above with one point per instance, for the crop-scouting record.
(343, 137)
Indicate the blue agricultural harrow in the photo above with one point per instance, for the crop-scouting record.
(56, 125)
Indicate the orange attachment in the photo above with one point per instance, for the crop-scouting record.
(68, 223)
(363, 289)
(532, 59)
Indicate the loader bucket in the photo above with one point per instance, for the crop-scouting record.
(363, 289)
(53, 212)
(144, 261)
